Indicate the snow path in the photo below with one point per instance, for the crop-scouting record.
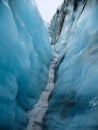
(37, 113)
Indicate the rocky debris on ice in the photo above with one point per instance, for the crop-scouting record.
(37, 113)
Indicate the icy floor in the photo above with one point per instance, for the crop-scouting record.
(37, 113)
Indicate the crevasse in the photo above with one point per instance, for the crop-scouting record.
(36, 115)
(30, 96)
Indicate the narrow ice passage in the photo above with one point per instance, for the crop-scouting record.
(37, 113)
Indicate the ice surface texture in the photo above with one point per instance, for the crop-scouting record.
(25, 56)
(73, 104)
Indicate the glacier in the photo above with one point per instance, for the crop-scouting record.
(41, 90)
(73, 104)
(25, 57)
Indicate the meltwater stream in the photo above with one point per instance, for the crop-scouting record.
(37, 113)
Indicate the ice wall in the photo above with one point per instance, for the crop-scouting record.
(73, 105)
(25, 56)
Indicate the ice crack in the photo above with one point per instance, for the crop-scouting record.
(37, 113)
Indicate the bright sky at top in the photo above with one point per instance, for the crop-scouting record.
(47, 8)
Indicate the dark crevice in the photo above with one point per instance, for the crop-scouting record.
(75, 5)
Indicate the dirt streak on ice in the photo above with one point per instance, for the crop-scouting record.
(37, 113)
